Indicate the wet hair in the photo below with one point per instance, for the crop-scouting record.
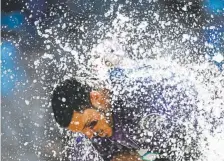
(69, 96)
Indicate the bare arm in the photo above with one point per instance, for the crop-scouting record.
(127, 156)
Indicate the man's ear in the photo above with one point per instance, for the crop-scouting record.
(95, 98)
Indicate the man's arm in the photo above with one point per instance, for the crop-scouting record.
(127, 156)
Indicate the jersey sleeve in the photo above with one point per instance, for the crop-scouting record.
(107, 148)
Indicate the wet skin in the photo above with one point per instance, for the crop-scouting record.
(91, 121)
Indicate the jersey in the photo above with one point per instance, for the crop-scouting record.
(154, 112)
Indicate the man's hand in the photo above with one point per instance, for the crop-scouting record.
(127, 156)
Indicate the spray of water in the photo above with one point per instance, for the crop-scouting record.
(131, 43)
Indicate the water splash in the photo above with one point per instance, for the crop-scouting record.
(129, 42)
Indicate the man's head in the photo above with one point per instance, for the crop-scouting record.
(80, 109)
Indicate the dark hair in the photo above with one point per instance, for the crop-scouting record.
(69, 96)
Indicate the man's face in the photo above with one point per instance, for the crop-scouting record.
(91, 121)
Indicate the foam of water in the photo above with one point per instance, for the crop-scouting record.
(112, 49)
